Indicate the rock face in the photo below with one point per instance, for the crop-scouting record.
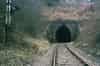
(88, 33)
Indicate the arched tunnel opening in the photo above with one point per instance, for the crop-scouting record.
(63, 34)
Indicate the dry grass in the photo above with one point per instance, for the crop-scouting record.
(20, 51)
(40, 46)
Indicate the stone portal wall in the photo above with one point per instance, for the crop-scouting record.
(73, 26)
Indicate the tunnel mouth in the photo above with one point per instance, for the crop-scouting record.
(63, 34)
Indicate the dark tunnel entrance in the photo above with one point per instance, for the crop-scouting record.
(63, 34)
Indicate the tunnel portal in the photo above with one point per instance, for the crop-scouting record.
(60, 31)
(63, 34)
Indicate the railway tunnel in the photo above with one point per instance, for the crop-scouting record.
(63, 34)
(63, 31)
